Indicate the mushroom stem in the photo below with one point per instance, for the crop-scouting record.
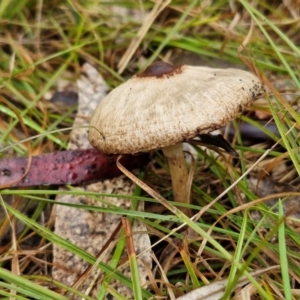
(179, 175)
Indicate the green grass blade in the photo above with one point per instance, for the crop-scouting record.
(284, 263)
(28, 287)
(233, 277)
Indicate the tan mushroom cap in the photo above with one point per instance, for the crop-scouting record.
(166, 105)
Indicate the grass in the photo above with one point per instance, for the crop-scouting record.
(43, 42)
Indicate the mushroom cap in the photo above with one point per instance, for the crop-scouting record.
(166, 105)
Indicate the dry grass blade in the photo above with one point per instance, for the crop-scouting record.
(156, 10)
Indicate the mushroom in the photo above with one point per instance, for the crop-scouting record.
(166, 105)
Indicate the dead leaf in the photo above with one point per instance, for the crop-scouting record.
(90, 230)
